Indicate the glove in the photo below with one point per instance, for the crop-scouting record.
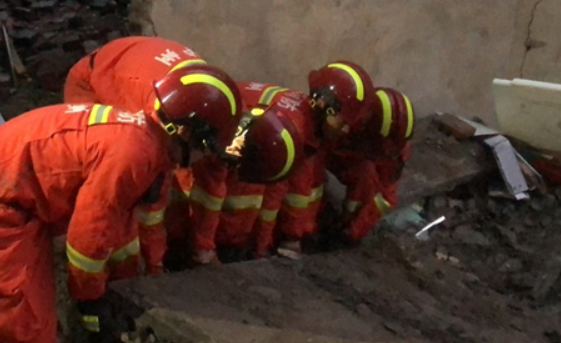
(96, 317)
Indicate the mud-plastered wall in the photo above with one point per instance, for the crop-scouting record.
(443, 54)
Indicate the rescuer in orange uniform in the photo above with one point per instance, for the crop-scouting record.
(340, 97)
(63, 164)
(91, 166)
(122, 73)
(236, 207)
(370, 161)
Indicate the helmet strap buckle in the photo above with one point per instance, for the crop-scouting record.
(170, 128)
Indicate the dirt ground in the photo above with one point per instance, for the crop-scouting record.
(489, 273)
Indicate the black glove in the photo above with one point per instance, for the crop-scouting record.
(97, 318)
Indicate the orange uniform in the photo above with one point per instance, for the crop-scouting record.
(63, 164)
(369, 162)
(121, 73)
(229, 212)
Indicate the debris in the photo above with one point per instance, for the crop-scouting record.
(508, 165)
(467, 235)
(511, 265)
(363, 310)
(547, 277)
(423, 235)
(441, 253)
(89, 46)
(452, 125)
(454, 260)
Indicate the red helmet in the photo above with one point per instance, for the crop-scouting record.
(346, 89)
(203, 97)
(271, 149)
(393, 117)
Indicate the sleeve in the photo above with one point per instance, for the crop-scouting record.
(150, 214)
(263, 229)
(117, 177)
(207, 196)
(297, 216)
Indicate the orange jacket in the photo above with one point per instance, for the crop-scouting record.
(303, 190)
(121, 72)
(234, 213)
(90, 166)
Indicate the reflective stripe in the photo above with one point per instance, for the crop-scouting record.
(208, 201)
(303, 201)
(187, 63)
(99, 114)
(296, 200)
(269, 93)
(352, 206)
(410, 117)
(241, 202)
(268, 215)
(213, 81)
(82, 262)
(90, 323)
(179, 195)
(317, 193)
(287, 139)
(131, 249)
(387, 110)
(354, 75)
(382, 204)
(151, 218)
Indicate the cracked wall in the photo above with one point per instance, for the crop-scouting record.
(443, 54)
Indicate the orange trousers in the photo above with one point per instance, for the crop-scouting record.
(27, 286)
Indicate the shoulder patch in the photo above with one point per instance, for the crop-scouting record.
(102, 114)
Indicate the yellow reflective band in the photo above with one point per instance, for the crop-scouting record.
(387, 110)
(352, 206)
(268, 215)
(317, 193)
(131, 249)
(151, 218)
(269, 94)
(410, 118)
(84, 263)
(208, 201)
(213, 81)
(99, 114)
(90, 323)
(179, 195)
(354, 75)
(287, 138)
(157, 104)
(303, 201)
(297, 200)
(242, 202)
(187, 63)
(382, 204)
(256, 112)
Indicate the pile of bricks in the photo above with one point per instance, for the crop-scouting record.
(49, 36)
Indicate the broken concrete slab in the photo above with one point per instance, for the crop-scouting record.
(432, 169)
(181, 328)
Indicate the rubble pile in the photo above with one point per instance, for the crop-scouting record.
(511, 246)
(49, 36)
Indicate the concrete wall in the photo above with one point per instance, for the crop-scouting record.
(442, 53)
